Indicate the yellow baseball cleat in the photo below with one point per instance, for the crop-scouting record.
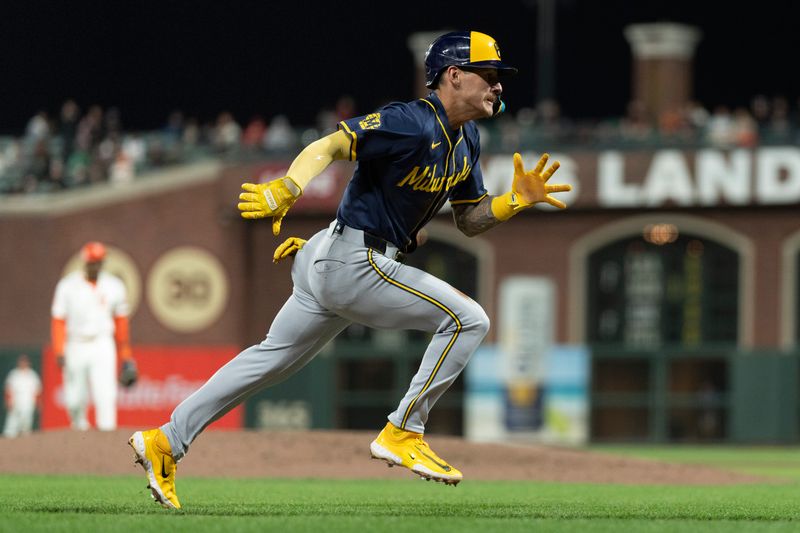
(154, 453)
(399, 447)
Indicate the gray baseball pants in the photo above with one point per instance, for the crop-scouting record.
(339, 280)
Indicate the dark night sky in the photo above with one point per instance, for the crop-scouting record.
(293, 57)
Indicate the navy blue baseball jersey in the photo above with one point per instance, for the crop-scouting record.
(410, 162)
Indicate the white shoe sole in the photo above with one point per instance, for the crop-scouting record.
(379, 452)
(137, 443)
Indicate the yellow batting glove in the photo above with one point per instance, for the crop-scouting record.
(272, 199)
(288, 248)
(528, 188)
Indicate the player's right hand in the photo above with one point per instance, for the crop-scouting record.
(272, 199)
(60, 360)
(288, 248)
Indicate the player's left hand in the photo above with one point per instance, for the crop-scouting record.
(288, 248)
(272, 199)
(129, 374)
(531, 186)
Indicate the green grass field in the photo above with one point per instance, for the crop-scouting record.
(64, 503)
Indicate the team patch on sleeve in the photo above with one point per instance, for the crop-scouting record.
(370, 122)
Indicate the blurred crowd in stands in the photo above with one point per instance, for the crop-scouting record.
(767, 121)
(79, 147)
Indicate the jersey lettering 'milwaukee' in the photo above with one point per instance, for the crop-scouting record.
(410, 162)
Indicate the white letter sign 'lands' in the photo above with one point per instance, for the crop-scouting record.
(772, 185)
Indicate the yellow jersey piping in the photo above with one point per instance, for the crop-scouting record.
(353, 140)
(457, 202)
(446, 136)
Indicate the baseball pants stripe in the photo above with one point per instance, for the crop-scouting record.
(438, 304)
(338, 270)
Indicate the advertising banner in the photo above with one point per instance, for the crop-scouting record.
(167, 375)
(527, 308)
(560, 406)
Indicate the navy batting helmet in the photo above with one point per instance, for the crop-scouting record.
(463, 49)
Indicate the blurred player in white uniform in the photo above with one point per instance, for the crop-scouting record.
(89, 329)
(22, 391)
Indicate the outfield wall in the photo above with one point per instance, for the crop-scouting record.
(205, 277)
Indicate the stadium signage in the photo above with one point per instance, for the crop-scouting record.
(617, 179)
(168, 375)
(766, 176)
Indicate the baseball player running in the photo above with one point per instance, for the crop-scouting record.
(89, 328)
(412, 158)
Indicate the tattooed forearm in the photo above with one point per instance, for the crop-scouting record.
(475, 219)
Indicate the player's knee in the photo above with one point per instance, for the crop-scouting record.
(482, 323)
(476, 321)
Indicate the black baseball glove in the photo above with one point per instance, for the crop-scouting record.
(129, 373)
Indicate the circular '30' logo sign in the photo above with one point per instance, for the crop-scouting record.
(187, 289)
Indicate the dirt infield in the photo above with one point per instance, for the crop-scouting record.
(340, 454)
